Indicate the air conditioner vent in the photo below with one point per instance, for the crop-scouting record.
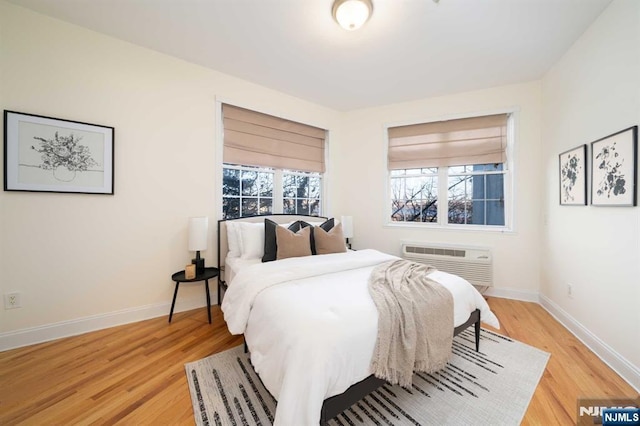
(473, 264)
(435, 251)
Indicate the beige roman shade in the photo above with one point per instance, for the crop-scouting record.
(465, 141)
(256, 139)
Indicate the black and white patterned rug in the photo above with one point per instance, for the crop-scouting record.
(490, 387)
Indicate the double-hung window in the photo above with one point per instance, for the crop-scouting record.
(451, 173)
(270, 165)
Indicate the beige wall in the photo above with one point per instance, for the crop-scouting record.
(73, 256)
(361, 161)
(593, 91)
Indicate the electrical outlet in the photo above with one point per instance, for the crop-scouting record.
(11, 300)
(570, 290)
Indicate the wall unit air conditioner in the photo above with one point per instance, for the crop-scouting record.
(473, 264)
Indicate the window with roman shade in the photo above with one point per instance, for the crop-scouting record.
(465, 141)
(462, 162)
(271, 165)
(257, 139)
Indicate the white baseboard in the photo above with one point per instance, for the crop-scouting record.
(617, 362)
(512, 293)
(45, 333)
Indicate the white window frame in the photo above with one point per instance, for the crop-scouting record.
(443, 176)
(278, 193)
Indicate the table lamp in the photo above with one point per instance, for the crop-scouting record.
(347, 228)
(198, 227)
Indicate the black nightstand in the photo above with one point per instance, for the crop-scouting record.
(179, 277)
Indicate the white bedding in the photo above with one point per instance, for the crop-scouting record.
(311, 325)
(234, 264)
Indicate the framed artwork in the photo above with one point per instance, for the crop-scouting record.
(44, 154)
(573, 177)
(614, 169)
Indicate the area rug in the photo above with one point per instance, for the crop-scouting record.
(490, 387)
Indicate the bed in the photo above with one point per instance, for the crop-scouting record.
(318, 311)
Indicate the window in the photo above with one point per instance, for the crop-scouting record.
(246, 191)
(302, 193)
(270, 165)
(461, 161)
(249, 191)
(414, 195)
(475, 194)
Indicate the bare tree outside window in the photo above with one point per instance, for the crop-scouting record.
(246, 191)
(475, 194)
(301, 193)
(249, 191)
(414, 195)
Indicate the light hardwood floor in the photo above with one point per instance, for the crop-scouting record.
(134, 374)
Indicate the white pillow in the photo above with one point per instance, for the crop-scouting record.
(251, 240)
(313, 223)
(233, 240)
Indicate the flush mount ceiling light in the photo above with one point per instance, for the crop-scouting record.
(352, 14)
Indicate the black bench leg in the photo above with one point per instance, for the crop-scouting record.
(477, 329)
(173, 303)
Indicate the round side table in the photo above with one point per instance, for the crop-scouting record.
(205, 276)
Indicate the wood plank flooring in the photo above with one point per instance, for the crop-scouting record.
(133, 374)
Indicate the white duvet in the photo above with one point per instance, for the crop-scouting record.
(311, 325)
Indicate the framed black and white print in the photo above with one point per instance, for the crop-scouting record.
(573, 177)
(44, 154)
(614, 169)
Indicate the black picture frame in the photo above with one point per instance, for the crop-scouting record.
(46, 154)
(614, 169)
(573, 176)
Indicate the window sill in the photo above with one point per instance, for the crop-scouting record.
(456, 228)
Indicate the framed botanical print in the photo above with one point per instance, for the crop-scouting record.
(573, 177)
(614, 169)
(45, 154)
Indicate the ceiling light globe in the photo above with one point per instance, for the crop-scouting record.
(352, 14)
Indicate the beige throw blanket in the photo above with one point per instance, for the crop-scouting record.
(415, 324)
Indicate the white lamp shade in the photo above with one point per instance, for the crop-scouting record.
(198, 229)
(352, 14)
(347, 226)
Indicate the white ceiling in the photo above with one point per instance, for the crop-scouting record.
(409, 49)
